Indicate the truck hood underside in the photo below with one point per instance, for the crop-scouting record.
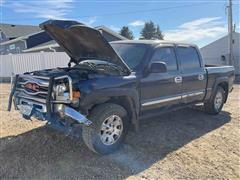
(81, 42)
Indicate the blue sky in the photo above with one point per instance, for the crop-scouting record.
(193, 21)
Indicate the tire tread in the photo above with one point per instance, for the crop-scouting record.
(98, 111)
(209, 106)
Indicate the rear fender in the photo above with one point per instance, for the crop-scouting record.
(220, 80)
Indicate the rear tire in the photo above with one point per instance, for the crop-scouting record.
(108, 130)
(215, 105)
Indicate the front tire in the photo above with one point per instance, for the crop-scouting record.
(215, 105)
(108, 130)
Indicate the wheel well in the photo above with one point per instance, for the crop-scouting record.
(128, 104)
(224, 85)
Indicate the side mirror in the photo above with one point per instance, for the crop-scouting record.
(158, 67)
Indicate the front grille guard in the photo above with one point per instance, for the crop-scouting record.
(49, 99)
(12, 93)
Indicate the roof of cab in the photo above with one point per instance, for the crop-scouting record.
(152, 42)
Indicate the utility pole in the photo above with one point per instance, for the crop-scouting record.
(230, 32)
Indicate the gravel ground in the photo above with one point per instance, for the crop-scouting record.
(185, 144)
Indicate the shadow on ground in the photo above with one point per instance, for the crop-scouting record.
(45, 153)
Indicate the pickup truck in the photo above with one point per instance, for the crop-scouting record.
(107, 87)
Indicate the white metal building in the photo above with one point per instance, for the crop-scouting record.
(217, 52)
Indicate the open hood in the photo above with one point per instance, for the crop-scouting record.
(81, 42)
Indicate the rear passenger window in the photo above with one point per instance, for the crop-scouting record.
(189, 58)
(167, 55)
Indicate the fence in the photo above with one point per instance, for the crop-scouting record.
(20, 63)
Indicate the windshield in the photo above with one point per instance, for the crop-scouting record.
(132, 54)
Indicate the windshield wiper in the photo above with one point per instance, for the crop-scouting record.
(110, 65)
(90, 64)
(105, 65)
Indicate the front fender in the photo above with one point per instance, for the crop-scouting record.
(106, 94)
(128, 98)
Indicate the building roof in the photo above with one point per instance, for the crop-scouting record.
(14, 31)
(20, 38)
(104, 28)
(224, 37)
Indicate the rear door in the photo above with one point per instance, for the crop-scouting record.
(193, 74)
(162, 89)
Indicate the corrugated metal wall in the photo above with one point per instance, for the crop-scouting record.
(20, 63)
(213, 52)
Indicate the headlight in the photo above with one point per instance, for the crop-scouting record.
(61, 92)
(60, 89)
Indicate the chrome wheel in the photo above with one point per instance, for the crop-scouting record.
(218, 100)
(111, 130)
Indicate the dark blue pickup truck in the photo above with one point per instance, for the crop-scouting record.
(107, 87)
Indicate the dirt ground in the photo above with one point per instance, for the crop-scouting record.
(186, 144)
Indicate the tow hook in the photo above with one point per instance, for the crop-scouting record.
(66, 111)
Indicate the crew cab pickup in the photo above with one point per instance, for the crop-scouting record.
(108, 87)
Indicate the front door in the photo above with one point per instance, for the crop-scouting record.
(162, 89)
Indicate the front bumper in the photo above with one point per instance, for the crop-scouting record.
(47, 110)
(62, 111)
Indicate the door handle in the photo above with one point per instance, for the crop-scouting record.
(178, 79)
(200, 77)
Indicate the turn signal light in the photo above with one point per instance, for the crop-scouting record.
(76, 94)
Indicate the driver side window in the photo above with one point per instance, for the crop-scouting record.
(166, 55)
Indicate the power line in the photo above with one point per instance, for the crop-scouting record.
(122, 13)
(142, 11)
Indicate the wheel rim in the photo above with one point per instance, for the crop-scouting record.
(218, 100)
(111, 130)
